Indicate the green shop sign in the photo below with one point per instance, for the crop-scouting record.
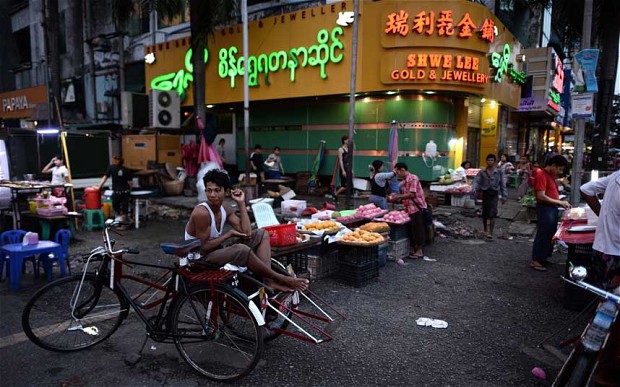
(500, 62)
(328, 49)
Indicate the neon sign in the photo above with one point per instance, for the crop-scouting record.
(443, 24)
(318, 55)
(328, 50)
(500, 62)
(179, 80)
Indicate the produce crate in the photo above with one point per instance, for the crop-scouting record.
(358, 255)
(323, 265)
(358, 276)
(382, 253)
(322, 249)
(457, 200)
(399, 231)
(398, 249)
(442, 198)
(299, 261)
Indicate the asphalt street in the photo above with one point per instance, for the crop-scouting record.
(497, 309)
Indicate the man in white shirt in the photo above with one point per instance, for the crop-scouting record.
(607, 242)
(607, 237)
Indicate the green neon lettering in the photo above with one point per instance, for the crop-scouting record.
(500, 62)
(329, 49)
(180, 80)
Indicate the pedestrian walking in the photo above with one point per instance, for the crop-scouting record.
(524, 170)
(342, 165)
(547, 202)
(505, 167)
(412, 196)
(256, 163)
(490, 184)
(121, 186)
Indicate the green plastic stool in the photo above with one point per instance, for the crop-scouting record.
(93, 219)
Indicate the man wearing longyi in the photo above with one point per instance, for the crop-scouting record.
(253, 251)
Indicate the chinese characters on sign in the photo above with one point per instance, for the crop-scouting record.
(442, 24)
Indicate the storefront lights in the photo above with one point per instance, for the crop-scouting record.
(47, 131)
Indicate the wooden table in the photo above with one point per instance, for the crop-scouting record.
(291, 254)
(20, 189)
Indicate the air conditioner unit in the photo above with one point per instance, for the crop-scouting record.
(134, 110)
(165, 109)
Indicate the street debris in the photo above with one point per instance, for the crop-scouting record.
(429, 322)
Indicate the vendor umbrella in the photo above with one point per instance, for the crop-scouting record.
(393, 154)
(319, 159)
(393, 145)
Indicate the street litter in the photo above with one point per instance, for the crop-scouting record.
(539, 373)
(428, 259)
(400, 262)
(429, 322)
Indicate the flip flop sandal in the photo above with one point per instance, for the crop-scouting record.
(538, 267)
(415, 256)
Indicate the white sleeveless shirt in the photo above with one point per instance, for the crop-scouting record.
(214, 230)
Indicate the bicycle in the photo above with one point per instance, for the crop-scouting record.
(217, 328)
(589, 348)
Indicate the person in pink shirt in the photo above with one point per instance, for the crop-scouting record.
(412, 196)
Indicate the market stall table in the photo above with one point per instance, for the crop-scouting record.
(66, 220)
(19, 189)
(17, 252)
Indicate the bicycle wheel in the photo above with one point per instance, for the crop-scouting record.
(216, 333)
(64, 316)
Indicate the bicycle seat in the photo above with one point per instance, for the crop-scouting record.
(181, 249)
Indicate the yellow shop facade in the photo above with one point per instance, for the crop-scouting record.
(445, 71)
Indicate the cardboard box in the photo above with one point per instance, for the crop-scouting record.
(168, 141)
(138, 150)
(172, 156)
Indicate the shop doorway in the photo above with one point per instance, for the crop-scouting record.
(473, 146)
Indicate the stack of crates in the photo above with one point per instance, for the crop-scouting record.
(399, 241)
(358, 265)
(298, 260)
(323, 260)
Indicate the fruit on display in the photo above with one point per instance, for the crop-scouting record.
(375, 227)
(369, 211)
(309, 211)
(325, 226)
(347, 219)
(397, 217)
(336, 215)
(361, 237)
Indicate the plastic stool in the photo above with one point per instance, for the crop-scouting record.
(93, 219)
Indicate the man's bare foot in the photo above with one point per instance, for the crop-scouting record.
(300, 284)
(277, 286)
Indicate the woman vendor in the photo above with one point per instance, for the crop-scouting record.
(379, 184)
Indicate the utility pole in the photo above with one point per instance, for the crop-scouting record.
(580, 123)
(349, 161)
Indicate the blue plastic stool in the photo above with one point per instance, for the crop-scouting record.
(93, 219)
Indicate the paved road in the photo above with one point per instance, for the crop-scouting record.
(495, 305)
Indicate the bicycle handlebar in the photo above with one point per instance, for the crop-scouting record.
(599, 292)
(108, 242)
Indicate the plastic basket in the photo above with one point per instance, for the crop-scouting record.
(358, 276)
(457, 200)
(322, 249)
(282, 234)
(382, 254)
(398, 232)
(358, 255)
(298, 260)
(323, 265)
(398, 249)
